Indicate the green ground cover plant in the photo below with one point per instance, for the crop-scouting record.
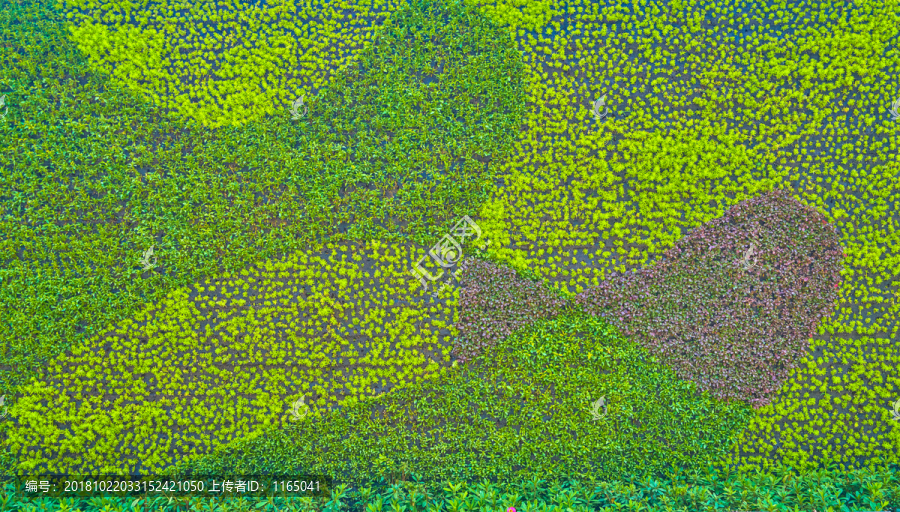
(646, 302)
(94, 178)
(455, 95)
(518, 15)
(524, 407)
(671, 165)
(418, 118)
(123, 146)
(226, 358)
(709, 105)
(223, 63)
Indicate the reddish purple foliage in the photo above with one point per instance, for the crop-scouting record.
(494, 302)
(736, 332)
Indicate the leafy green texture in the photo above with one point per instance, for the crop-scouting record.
(519, 15)
(416, 121)
(521, 409)
(710, 104)
(855, 491)
(93, 177)
(223, 63)
(227, 358)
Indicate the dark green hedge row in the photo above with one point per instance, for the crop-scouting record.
(708, 490)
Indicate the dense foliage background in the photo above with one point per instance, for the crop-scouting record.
(151, 152)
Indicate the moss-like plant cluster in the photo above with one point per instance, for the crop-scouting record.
(518, 15)
(226, 63)
(227, 358)
(733, 304)
(526, 407)
(704, 105)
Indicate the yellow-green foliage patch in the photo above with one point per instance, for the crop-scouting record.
(229, 357)
(567, 397)
(519, 15)
(224, 62)
(706, 105)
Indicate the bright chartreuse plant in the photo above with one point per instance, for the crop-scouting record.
(223, 63)
(201, 371)
(529, 406)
